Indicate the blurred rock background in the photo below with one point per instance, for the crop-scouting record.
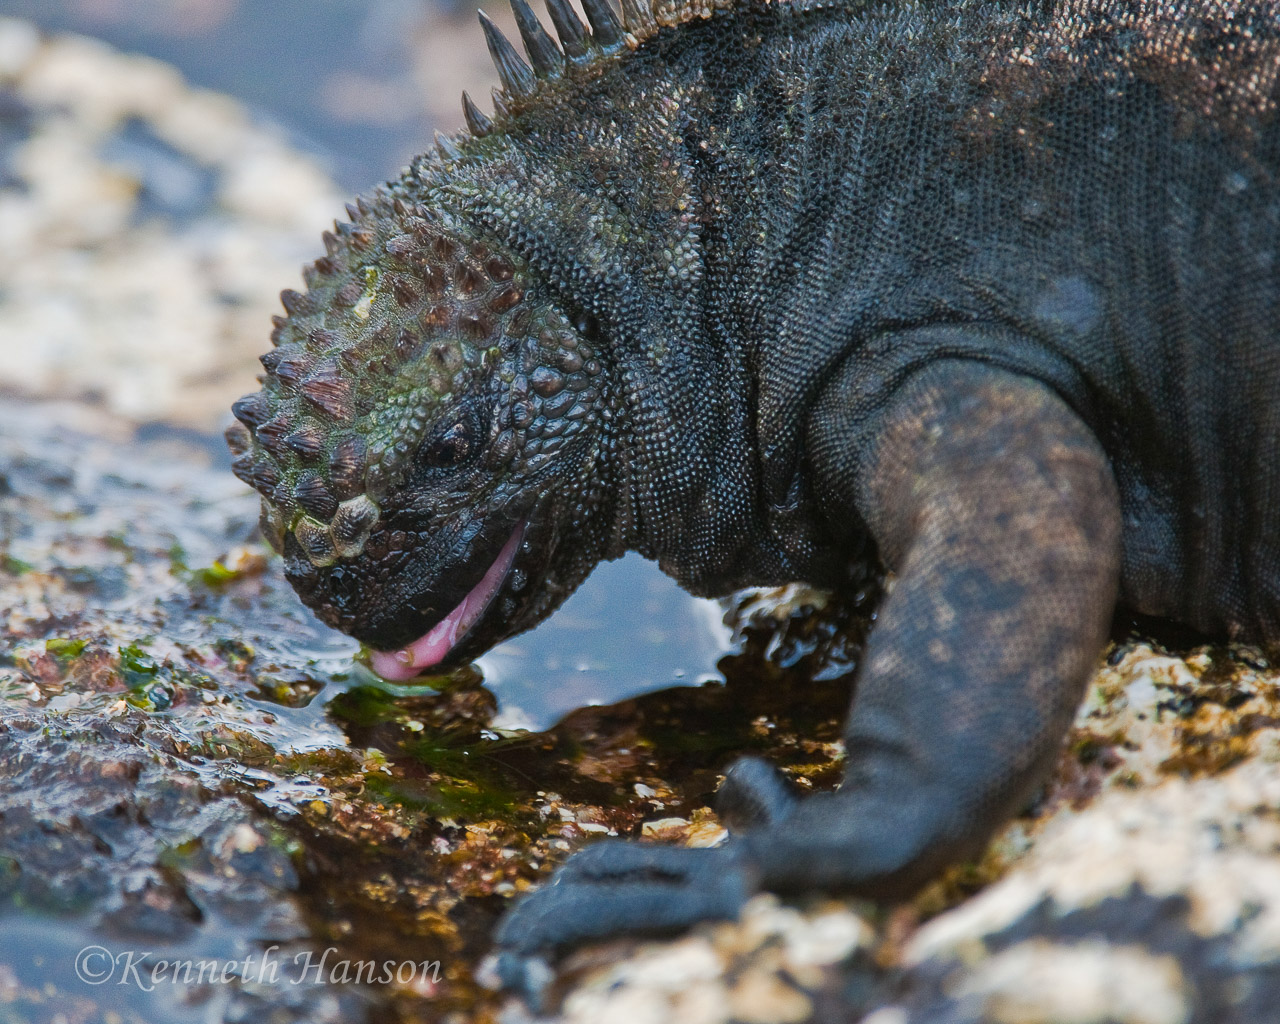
(166, 171)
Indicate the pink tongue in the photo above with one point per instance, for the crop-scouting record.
(430, 649)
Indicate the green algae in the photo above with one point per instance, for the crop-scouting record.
(65, 649)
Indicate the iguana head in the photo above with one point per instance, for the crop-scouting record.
(432, 439)
(424, 440)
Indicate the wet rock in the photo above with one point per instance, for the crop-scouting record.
(1142, 887)
(190, 763)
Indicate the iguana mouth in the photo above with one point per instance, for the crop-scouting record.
(432, 647)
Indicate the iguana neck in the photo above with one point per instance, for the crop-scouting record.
(562, 195)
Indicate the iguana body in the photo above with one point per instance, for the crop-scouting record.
(988, 293)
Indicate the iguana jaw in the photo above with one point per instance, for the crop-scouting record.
(435, 645)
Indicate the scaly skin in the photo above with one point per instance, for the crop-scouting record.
(986, 296)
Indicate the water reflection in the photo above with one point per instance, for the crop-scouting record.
(627, 631)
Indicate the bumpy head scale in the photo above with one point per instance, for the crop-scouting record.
(399, 316)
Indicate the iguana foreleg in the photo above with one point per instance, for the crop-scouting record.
(996, 509)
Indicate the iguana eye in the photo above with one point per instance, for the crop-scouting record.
(452, 448)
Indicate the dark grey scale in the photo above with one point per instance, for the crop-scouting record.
(606, 30)
(354, 359)
(500, 106)
(316, 542)
(475, 327)
(244, 467)
(238, 438)
(558, 404)
(314, 496)
(329, 390)
(272, 433)
(446, 356)
(571, 32)
(568, 361)
(543, 53)
(252, 410)
(347, 467)
(505, 300)
(503, 448)
(516, 76)
(638, 18)
(499, 269)
(292, 365)
(352, 520)
(406, 294)
(522, 415)
(279, 328)
(407, 345)
(518, 322)
(349, 294)
(434, 280)
(296, 303)
(468, 278)
(446, 147)
(321, 339)
(271, 358)
(402, 246)
(266, 477)
(546, 381)
(477, 123)
(443, 249)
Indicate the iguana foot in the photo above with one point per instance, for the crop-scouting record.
(619, 888)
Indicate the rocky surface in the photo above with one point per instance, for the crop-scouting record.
(193, 769)
(1143, 888)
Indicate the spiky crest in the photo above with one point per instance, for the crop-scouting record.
(400, 315)
(609, 35)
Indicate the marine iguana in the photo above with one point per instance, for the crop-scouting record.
(983, 293)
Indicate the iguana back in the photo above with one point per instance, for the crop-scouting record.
(1102, 179)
